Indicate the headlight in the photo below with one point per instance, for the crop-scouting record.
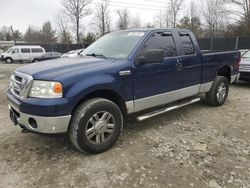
(46, 89)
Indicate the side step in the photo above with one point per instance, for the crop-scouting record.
(162, 111)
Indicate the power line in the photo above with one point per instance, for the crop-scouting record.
(153, 1)
(135, 4)
(134, 7)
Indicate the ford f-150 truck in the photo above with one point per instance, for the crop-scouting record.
(144, 72)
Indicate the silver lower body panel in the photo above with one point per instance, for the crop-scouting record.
(46, 125)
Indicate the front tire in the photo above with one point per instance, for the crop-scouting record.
(95, 126)
(8, 60)
(218, 92)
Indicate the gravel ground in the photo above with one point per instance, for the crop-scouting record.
(196, 146)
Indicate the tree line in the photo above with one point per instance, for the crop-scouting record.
(209, 18)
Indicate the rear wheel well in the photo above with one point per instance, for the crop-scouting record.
(107, 94)
(226, 72)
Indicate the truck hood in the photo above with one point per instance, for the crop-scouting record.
(52, 69)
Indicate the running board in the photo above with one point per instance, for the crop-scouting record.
(162, 111)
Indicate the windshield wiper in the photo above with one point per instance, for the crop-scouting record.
(97, 55)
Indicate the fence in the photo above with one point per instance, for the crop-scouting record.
(222, 44)
(213, 44)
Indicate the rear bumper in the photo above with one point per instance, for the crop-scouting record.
(39, 124)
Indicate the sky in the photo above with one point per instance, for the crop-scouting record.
(21, 13)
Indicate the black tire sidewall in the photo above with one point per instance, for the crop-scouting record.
(86, 113)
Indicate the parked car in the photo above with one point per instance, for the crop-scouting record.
(245, 66)
(73, 53)
(123, 73)
(47, 56)
(22, 53)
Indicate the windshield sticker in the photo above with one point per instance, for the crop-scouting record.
(138, 34)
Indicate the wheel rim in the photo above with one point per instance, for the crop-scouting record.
(100, 127)
(8, 60)
(221, 92)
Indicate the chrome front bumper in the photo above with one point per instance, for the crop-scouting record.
(40, 124)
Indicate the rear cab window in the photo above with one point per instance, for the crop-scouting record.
(161, 40)
(25, 50)
(187, 44)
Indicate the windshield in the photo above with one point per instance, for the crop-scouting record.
(246, 55)
(9, 50)
(114, 45)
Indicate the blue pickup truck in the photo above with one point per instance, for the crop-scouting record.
(144, 72)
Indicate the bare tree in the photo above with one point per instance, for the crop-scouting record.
(15, 34)
(63, 29)
(135, 22)
(174, 8)
(103, 17)
(123, 20)
(215, 16)
(33, 34)
(244, 5)
(163, 18)
(76, 9)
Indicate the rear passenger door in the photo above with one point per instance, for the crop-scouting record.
(190, 62)
(25, 53)
(37, 52)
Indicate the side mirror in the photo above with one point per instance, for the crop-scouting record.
(151, 56)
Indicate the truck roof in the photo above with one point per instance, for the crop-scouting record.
(28, 46)
(156, 29)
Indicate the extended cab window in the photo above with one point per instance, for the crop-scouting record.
(36, 50)
(162, 40)
(25, 50)
(187, 44)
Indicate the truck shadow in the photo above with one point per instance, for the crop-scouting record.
(242, 84)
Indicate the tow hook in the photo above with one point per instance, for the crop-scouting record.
(24, 131)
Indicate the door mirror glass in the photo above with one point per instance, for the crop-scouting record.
(150, 56)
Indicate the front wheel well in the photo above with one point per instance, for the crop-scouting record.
(107, 94)
(226, 72)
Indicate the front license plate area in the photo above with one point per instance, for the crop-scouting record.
(13, 117)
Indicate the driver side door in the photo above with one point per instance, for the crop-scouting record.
(15, 54)
(154, 83)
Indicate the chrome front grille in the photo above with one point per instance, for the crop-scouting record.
(19, 84)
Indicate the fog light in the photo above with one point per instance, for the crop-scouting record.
(32, 123)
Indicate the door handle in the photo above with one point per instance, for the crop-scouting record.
(179, 66)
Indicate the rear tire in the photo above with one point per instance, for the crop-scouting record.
(95, 125)
(218, 92)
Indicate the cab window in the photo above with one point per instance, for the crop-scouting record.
(161, 40)
(187, 44)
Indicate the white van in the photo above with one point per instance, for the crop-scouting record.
(22, 53)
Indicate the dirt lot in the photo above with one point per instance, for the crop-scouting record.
(196, 146)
